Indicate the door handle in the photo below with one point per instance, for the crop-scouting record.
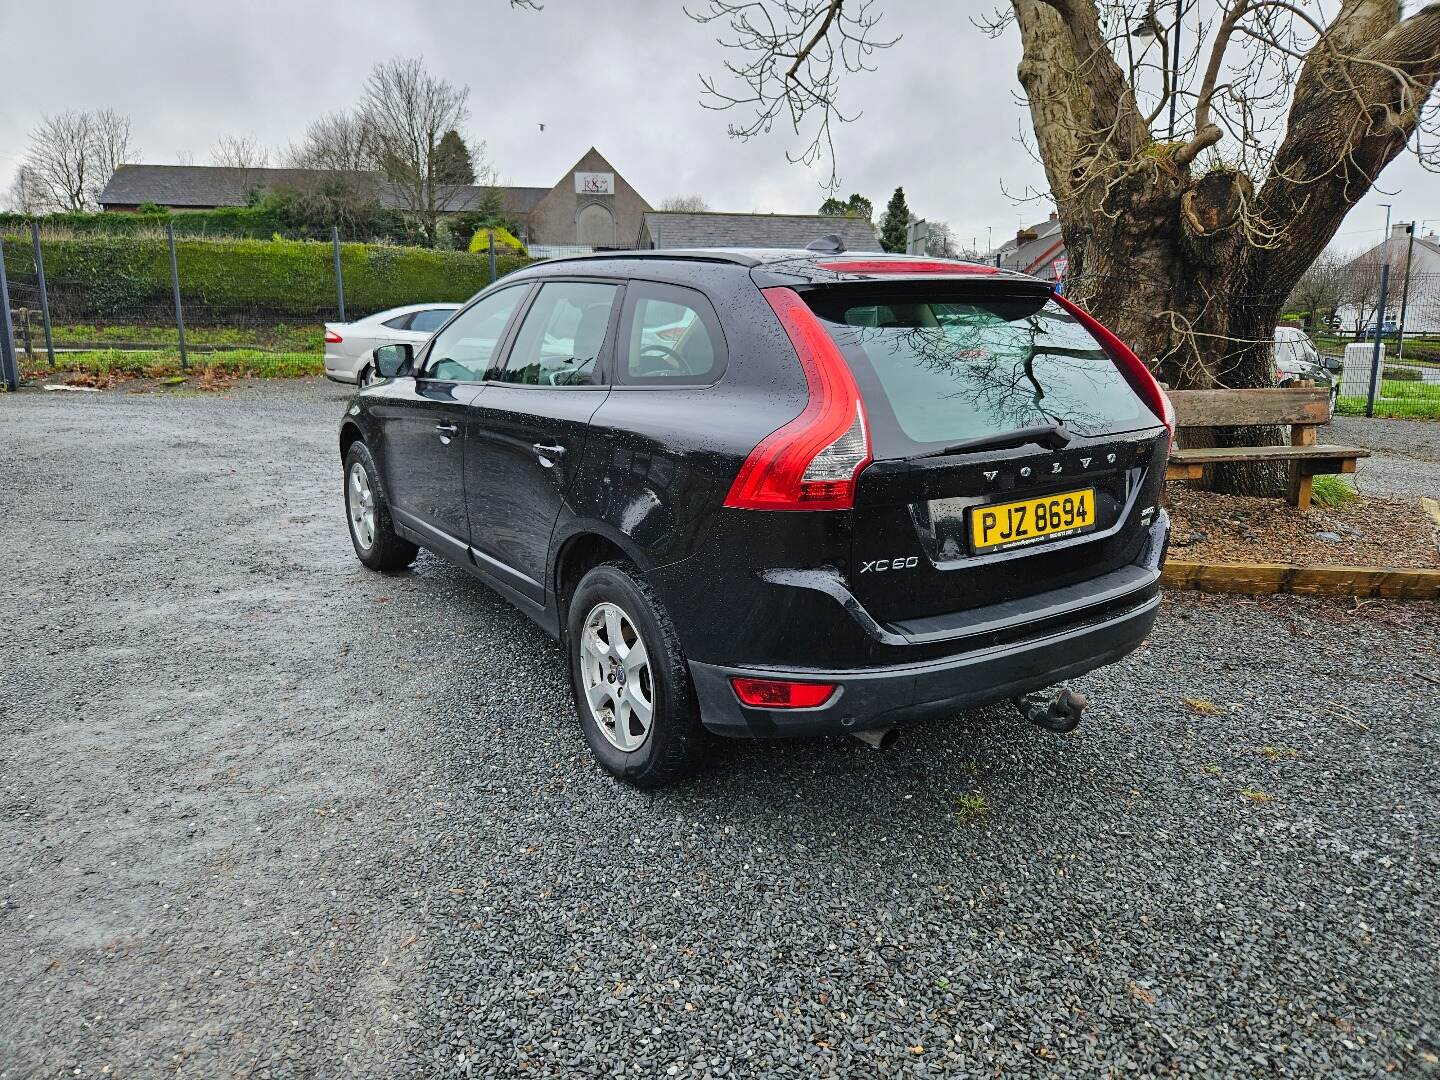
(448, 429)
(545, 453)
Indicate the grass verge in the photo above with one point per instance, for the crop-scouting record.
(113, 365)
(1397, 399)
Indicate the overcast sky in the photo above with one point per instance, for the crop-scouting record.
(938, 117)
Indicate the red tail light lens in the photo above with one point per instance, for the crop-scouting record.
(781, 693)
(1131, 366)
(905, 266)
(811, 463)
(332, 338)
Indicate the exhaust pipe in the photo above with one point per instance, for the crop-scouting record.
(1060, 714)
(883, 739)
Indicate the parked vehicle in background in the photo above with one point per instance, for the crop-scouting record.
(1297, 360)
(777, 493)
(348, 346)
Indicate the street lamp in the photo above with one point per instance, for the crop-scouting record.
(1149, 27)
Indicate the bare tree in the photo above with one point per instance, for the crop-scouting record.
(72, 156)
(1359, 287)
(1198, 167)
(685, 204)
(27, 195)
(239, 152)
(1320, 290)
(940, 240)
(338, 141)
(407, 111)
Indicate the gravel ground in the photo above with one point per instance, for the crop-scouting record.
(1406, 461)
(267, 814)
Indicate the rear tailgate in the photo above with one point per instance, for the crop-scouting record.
(1012, 455)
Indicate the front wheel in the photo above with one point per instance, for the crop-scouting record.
(630, 679)
(367, 510)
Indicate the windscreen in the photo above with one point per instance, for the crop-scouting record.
(942, 371)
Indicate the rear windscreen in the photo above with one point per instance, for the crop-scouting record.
(947, 371)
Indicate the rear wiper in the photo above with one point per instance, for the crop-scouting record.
(1050, 436)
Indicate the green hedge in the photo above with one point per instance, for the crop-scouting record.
(115, 279)
(256, 222)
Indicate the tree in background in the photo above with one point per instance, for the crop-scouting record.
(685, 204)
(72, 156)
(1319, 292)
(453, 163)
(857, 206)
(940, 240)
(339, 141)
(27, 195)
(407, 111)
(895, 222)
(239, 152)
(1199, 165)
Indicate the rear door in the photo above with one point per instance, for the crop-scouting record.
(1012, 455)
(528, 429)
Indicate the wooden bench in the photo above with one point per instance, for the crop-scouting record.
(1302, 409)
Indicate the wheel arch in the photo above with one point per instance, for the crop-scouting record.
(581, 551)
(350, 434)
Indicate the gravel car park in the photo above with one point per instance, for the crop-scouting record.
(267, 814)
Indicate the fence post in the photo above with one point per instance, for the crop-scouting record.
(492, 256)
(25, 333)
(1375, 368)
(9, 365)
(175, 288)
(44, 291)
(339, 273)
(1405, 294)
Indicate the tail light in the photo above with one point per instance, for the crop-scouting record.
(331, 337)
(811, 463)
(1130, 365)
(781, 693)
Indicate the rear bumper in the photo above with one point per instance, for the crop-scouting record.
(873, 698)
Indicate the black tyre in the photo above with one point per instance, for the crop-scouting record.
(632, 686)
(366, 376)
(367, 510)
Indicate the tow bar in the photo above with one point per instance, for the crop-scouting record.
(1060, 714)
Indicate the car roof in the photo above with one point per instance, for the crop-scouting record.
(818, 266)
(405, 309)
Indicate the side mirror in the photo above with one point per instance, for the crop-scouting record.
(393, 360)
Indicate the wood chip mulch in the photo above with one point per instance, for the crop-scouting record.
(1372, 531)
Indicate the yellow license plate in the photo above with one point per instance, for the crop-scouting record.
(1030, 521)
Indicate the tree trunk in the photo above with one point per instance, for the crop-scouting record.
(1193, 271)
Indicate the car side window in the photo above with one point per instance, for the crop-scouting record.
(560, 340)
(464, 350)
(671, 336)
(400, 322)
(427, 322)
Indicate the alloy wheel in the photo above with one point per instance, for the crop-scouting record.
(361, 500)
(615, 668)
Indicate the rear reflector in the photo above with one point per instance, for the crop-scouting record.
(905, 266)
(781, 693)
(332, 338)
(811, 463)
(1130, 365)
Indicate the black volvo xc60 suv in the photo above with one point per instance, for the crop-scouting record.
(776, 492)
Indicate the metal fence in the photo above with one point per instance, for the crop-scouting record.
(64, 297)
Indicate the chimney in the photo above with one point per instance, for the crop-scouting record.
(1400, 231)
(1054, 216)
(1024, 236)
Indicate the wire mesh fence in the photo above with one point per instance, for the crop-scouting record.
(188, 298)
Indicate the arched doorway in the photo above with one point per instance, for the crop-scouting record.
(595, 226)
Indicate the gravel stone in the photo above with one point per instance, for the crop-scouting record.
(267, 813)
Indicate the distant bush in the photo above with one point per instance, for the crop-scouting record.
(1402, 374)
(109, 278)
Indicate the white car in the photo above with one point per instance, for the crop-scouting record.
(348, 345)
(1295, 358)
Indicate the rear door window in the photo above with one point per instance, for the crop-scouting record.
(937, 370)
(671, 336)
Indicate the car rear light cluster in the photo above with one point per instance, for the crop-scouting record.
(1130, 365)
(812, 462)
(781, 693)
(331, 337)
